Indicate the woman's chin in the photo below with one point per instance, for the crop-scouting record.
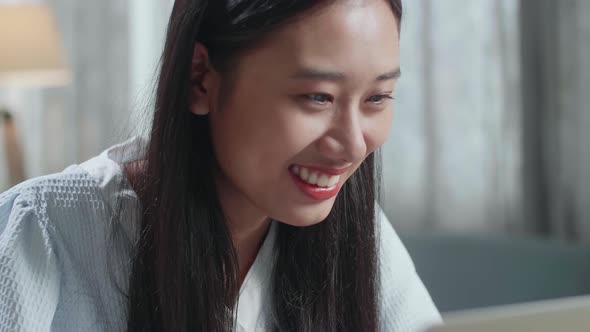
(301, 223)
(306, 217)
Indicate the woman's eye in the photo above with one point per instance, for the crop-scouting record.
(379, 99)
(319, 98)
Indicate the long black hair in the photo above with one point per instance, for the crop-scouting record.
(185, 274)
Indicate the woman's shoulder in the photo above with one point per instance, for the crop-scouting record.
(77, 190)
(81, 192)
(50, 226)
(405, 302)
(65, 189)
(392, 252)
(87, 193)
(29, 276)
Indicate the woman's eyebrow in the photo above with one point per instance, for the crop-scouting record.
(318, 74)
(391, 75)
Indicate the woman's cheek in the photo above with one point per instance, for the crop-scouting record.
(377, 129)
(304, 128)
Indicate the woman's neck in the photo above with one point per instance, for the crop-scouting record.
(247, 242)
(247, 224)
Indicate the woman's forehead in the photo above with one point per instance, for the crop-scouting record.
(337, 38)
(345, 22)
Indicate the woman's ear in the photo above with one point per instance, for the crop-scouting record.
(203, 82)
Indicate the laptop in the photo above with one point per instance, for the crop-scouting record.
(561, 315)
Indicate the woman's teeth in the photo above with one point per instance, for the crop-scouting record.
(315, 178)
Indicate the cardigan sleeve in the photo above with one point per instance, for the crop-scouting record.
(29, 277)
(405, 305)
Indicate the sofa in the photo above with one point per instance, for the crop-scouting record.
(467, 271)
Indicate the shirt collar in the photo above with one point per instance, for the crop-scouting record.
(256, 289)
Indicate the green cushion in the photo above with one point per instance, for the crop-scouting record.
(471, 271)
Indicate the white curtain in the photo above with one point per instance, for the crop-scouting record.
(92, 113)
(453, 159)
(557, 117)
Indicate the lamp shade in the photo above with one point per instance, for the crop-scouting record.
(30, 47)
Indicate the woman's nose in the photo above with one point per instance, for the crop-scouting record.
(345, 140)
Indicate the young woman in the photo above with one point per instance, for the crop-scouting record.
(251, 204)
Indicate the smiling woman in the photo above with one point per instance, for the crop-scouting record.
(251, 205)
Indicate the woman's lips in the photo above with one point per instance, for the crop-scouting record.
(317, 182)
(323, 169)
(315, 192)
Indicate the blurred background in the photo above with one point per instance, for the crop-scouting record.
(486, 174)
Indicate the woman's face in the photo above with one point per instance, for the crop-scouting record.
(305, 109)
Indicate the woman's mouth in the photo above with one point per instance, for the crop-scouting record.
(315, 177)
(315, 183)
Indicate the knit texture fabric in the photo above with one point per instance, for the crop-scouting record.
(64, 262)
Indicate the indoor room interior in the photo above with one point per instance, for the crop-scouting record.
(486, 172)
